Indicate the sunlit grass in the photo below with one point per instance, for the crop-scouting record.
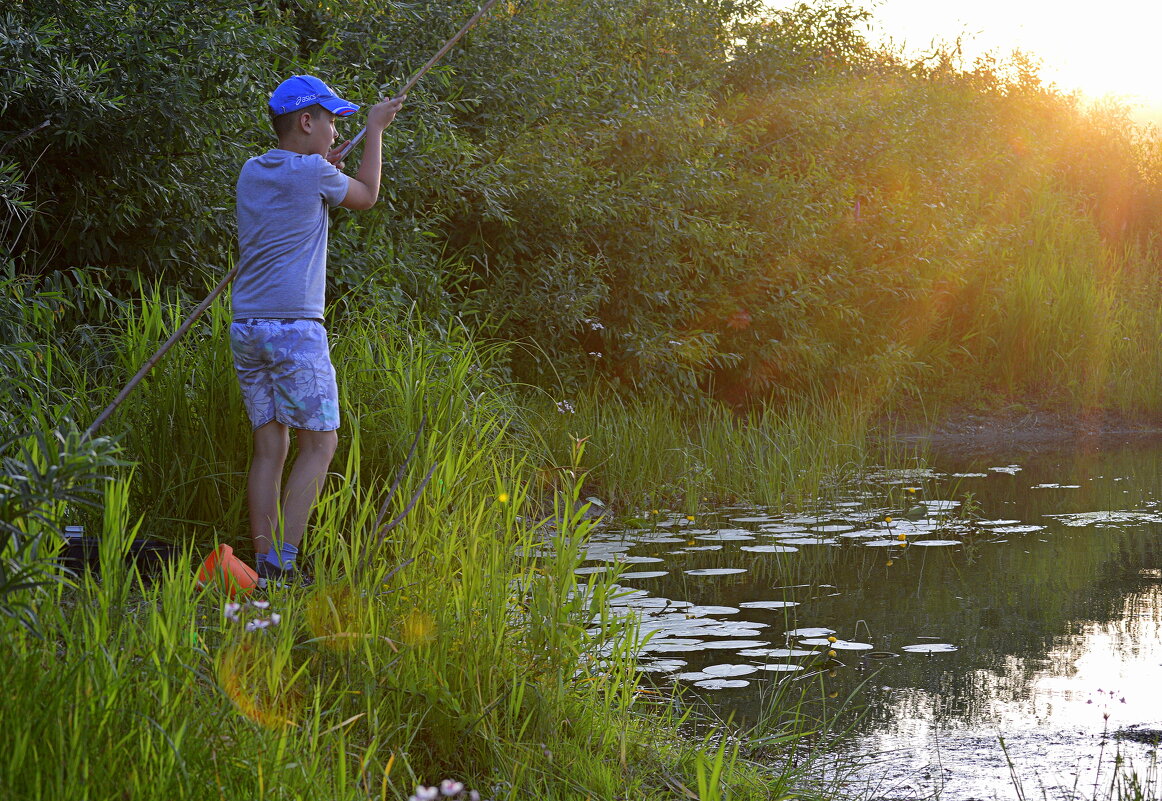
(456, 645)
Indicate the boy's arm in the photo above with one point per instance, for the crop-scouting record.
(363, 188)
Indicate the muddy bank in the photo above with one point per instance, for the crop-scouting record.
(1022, 429)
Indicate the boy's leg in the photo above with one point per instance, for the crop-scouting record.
(315, 451)
(271, 442)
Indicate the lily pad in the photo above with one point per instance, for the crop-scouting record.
(644, 574)
(936, 543)
(725, 536)
(816, 631)
(863, 534)
(721, 684)
(781, 528)
(781, 667)
(930, 648)
(767, 604)
(769, 548)
(701, 610)
(673, 646)
(778, 653)
(838, 645)
(739, 629)
(715, 571)
(662, 666)
(807, 541)
(655, 602)
(734, 645)
(729, 670)
(882, 543)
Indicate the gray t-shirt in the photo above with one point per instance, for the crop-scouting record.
(282, 234)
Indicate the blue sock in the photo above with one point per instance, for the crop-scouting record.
(283, 556)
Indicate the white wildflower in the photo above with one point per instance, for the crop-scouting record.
(449, 788)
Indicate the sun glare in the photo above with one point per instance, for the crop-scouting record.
(1100, 50)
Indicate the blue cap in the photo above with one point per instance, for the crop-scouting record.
(301, 91)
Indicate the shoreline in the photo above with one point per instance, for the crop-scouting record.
(1019, 428)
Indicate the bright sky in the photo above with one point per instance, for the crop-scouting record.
(1102, 48)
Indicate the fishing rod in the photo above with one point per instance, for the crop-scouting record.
(205, 304)
(412, 81)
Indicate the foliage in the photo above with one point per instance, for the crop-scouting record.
(687, 196)
(42, 475)
(455, 645)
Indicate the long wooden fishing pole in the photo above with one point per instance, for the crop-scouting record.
(205, 304)
(412, 81)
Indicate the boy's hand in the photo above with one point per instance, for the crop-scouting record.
(382, 113)
(335, 155)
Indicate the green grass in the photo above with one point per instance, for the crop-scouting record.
(459, 645)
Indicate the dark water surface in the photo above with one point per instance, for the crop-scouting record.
(1051, 600)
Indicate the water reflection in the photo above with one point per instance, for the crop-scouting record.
(1045, 596)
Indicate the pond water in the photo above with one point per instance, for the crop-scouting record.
(1026, 607)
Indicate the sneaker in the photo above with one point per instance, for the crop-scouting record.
(270, 575)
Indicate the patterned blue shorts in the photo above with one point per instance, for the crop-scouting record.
(284, 368)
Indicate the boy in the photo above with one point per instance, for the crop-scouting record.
(277, 335)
